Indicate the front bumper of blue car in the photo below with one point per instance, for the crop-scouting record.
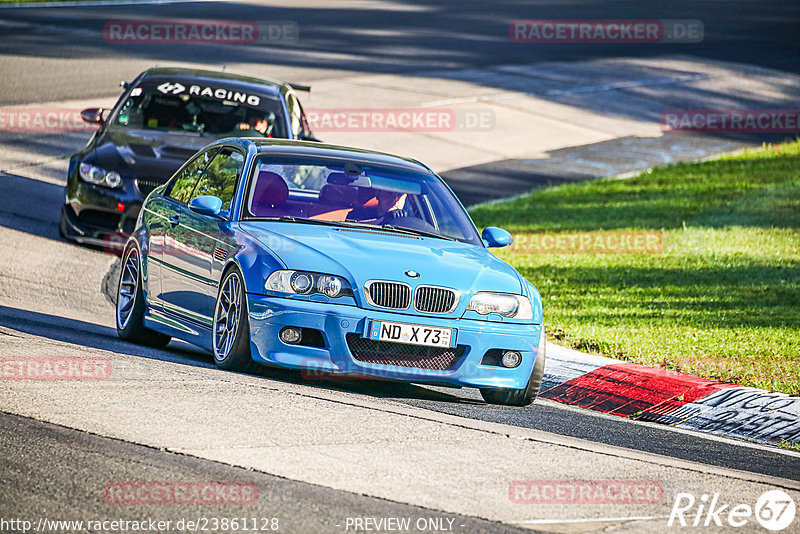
(338, 345)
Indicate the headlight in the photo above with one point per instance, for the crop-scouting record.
(113, 179)
(329, 285)
(305, 283)
(302, 283)
(515, 306)
(96, 175)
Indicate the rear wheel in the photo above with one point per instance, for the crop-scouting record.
(231, 326)
(520, 397)
(130, 304)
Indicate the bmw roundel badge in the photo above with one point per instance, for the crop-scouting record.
(412, 274)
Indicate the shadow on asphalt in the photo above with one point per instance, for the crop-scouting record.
(34, 207)
(100, 337)
(95, 336)
(422, 34)
(30, 206)
(371, 387)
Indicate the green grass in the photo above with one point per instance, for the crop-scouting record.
(722, 300)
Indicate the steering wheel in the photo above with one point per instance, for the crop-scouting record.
(390, 216)
(412, 223)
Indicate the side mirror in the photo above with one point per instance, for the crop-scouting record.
(206, 205)
(496, 237)
(93, 116)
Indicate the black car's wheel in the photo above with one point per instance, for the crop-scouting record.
(520, 397)
(130, 304)
(231, 327)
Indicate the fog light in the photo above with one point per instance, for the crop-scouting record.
(290, 335)
(511, 358)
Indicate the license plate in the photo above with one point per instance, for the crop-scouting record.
(413, 334)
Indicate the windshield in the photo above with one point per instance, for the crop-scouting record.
(216, 111)
(337, 193)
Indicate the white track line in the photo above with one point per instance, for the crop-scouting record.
(587, 520)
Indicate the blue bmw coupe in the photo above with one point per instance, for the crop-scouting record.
(331, 259)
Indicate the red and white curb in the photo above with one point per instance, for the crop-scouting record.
(650, 394)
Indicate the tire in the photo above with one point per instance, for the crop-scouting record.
(520, 397)
(231, 327)
(130, 304)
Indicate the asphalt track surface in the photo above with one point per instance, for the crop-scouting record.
(76, 491)
(542, 415)
(60, 468)
(403, 36)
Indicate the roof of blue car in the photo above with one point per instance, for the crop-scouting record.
(323, 150)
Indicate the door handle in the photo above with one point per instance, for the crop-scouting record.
(174, 221)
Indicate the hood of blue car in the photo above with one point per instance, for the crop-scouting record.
(363, 255)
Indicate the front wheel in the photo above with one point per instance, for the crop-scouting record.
(525, 396)
(130, 304)
(231, 326)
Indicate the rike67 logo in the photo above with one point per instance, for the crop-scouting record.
(774, 510)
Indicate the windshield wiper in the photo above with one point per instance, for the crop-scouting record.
(291, 218)
(413, 231)
(348, 224)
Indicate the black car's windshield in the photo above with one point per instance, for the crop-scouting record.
(216, 111)
(331, 192)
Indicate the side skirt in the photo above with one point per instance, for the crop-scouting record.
(190, 332)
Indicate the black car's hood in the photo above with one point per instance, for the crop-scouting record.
(144, 153)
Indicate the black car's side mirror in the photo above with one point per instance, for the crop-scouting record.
(93, 116)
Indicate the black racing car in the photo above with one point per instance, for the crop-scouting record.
(162, 118)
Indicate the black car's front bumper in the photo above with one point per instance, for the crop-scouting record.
(97, 229)
(100, 216)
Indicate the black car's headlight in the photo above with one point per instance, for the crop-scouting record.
(98, 176)
(306, 283)
(515, 306)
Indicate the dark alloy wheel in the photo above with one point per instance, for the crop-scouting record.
(130, 303)
(231, 327)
